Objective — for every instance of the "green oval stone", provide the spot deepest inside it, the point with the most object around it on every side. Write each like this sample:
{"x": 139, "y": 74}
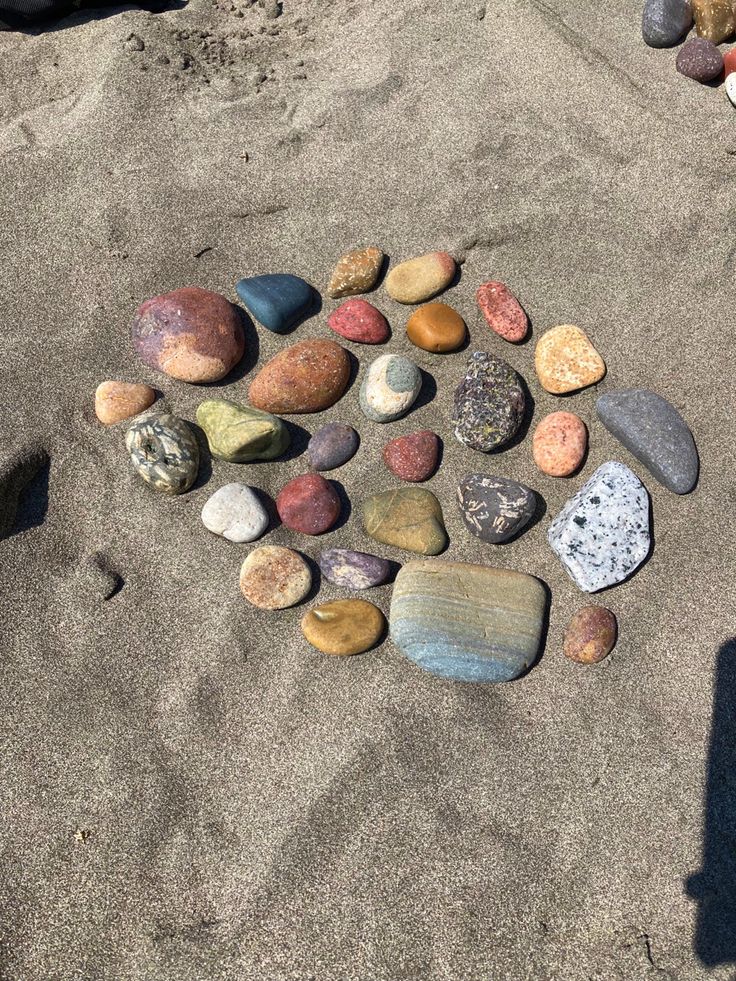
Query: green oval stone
{"x": 239, "y": 433}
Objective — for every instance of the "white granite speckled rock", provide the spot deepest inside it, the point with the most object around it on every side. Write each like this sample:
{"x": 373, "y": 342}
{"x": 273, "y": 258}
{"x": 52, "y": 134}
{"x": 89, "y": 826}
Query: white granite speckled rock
{"x": 235, "y": 512}
{"x": 602, "y": 534}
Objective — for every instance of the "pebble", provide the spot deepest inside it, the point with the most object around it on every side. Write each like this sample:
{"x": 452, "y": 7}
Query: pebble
{"x": 408, "y": 517}
{"x": 17, "y": 470}
{"x": 307, "y": 377}
{"x": 164, "y": 452}
{"x": 332, "y": 446}
{"x": 191, "y": 334}
{"x": 700, "y": 60}
{"x": 277, "y": 301}
{"x": 240, "y": 434}
{"x": 236, "y": 513}
{"x": 591, "y": 635}
{"x": 356, "y": 272}
{"x": 390, "y": 387}
{"x": 417, "y": 280}
{"x": 116, "y": 400}
{"x": 343, "y": 627}
{"x": 602, "y": 534}
{"x": 665, "y": 22}
{"x": 495, "y": 508}
{"x": 274, "y": 577}
{"x": 467, "y": 622}
{"x": 489, "y": 403}
{"x": 353, "y": 570}
{"x": 566, "y": 360}
{"x": 653, "y": 430}
{"x": 729, "y": 62}
{"x": 359, "y": 321}
{"x": 436, "y": 327}
{"x": 308, "y": 504}
{"x": 559, "y": 444}
{"x": 731, "y": 88}
{"x": 715, "y": 20}
{"x": 502, "y": 311}
{"x": 413, "y": 457}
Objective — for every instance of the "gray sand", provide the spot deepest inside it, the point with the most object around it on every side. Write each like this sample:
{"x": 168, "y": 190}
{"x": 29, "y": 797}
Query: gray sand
{"x": 189, "y": 792}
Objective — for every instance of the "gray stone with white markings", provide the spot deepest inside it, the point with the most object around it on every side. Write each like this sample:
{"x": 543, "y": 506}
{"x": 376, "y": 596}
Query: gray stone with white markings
{"x": 495, "y": 508}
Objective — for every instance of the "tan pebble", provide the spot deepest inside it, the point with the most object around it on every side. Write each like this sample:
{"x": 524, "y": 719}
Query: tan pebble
{"x": 591, "y": 635}
{"x": 436, "y": 327}
{"x": 417, "y": 280}
{"x": 116, "y": 400}
{"x": 356, "y": 272}
{"x": 274, "y": 577}
{"x": 566, "y": 360}
{"x": 559, "y": 444}
{"x": 344, "y": 626}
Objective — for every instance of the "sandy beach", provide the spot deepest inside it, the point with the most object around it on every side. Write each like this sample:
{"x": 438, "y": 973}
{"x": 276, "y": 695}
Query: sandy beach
{"x": 190, "y": 792}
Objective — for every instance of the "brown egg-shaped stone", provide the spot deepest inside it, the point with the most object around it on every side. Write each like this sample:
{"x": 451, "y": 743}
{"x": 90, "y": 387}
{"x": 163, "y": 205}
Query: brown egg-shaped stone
{"x": 559, "y": 444}
{"x": 436, "y": 327}
{"x": 115, "y": 401}
{"x": 306, "y": 377}
{"x": 191, "y": 334}
{"x": 591, "y": 635}
{"x": 343, "y": 627}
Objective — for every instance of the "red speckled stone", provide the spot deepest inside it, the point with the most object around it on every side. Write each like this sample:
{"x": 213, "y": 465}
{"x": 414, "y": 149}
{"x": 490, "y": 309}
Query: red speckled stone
{"x": 413, "y": 457}
{"x": 503, "y": 312}
{"x": 306, "y": 377}
{"x": 729, "y": 62}
{"x": 308, "y": 504}
{"x": 359, "y": 321}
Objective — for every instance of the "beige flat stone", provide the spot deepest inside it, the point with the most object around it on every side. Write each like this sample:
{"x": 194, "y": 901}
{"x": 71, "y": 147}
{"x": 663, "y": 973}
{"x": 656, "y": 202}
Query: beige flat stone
{"x": 566, "y": 360}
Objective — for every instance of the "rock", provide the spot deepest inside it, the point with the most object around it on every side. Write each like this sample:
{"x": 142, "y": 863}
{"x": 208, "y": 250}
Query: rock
{"x": 417, "y": 280}
{"x": 240, "y": 434}
{"x": 559, "y": 444}
{"x": 359, "y": 321}
{"x": 700, "y": 60}
{"x": 591, "y": 635}
{"x": 413, "y": 457}
{"x": 235, "y": 512}
{"x": 115, "y": 401}
{"x": 489, "y": 403}
{"x": 274, "y": 578}
{"x": 332, "y": 446}
{"x": 566, "y": 360}
{"x": 341, "y": 627}
{"x": 353, "y": 570}
{"x": 164, "y": 452}
{"x": 502, "y": 311}
{"x": 653, "y": 430}
{"x": 715, "y": 20}
{"x": 390, "y": 387}
{"x": 308, "y": 504}
{"x": 495, "y": 508}
{"x": 17, "y": 470}
{"x": 436, "y": 327}
{"x": 731, "y": 88}
{"x": 601, "y": 536}
{"x": 277, "y": 301}
{"x": 306, "y": 377}
{"x": 666, "y": 22}
{"x": 191, "y": 334}
{"x": 409, "y": 518}
{"x": 467, "y": 622}
{"x": 729, "y": 62}
{"x": 356, "y": 272}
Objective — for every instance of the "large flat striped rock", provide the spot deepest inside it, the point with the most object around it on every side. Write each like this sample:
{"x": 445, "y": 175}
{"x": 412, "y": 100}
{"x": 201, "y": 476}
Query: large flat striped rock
{"x": 467, "y": 622}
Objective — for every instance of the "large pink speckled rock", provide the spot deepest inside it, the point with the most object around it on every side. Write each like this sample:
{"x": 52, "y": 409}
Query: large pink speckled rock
{"x": 559, "y": 444}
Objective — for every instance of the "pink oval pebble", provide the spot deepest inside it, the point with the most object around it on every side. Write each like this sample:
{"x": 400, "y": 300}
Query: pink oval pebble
{"x": 308, "y": 504}
{"x": 559, "y": 444}
{"x": 359, "y": 321}
{"x": 503, "y": 312}
{"x": 413, "y": 457}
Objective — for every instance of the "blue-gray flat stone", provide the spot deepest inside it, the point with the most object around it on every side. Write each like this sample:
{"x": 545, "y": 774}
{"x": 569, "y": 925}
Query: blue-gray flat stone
{"x": 665, "y": 22}
{"x": 653, "y": 430}
{"x": 467, "y": 622}
{"x": 278, "y": 300}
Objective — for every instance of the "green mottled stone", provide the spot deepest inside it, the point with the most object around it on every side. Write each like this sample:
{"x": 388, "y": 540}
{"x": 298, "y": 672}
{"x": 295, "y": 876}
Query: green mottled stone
{"x": 401, "y": 375}
{"x": 409, "y": 518}
{"x": 240, "y": 434}
{"x": 164, "y": 452}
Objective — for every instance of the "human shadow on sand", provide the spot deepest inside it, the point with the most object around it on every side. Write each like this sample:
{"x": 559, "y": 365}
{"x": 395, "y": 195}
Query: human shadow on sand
{"x": 47, "y": 16}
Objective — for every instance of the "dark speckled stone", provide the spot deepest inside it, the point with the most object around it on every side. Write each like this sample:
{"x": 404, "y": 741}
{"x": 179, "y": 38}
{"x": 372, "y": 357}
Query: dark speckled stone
{"x": 700, "y": 60}
{"x": 332, "y": 445}
{"x": 353, "y": 570}
{"x": 278, "y": 301}
{"x": 495, "y": 508}
{"x": 665, "y": 22}
{"x": 489, "y": 403}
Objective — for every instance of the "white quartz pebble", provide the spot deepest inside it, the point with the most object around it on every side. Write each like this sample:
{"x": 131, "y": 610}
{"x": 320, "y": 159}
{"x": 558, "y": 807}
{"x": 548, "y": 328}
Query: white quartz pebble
{"x": 235, "y": 512}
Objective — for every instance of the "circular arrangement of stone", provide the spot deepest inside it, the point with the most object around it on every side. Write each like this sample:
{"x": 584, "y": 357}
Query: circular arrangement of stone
{"x": 461, "y": 621}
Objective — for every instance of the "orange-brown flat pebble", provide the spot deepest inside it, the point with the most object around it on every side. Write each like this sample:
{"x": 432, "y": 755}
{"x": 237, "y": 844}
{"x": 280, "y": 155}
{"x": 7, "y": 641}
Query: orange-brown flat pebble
{"x": 344, "y": 627}
{"x": 715, "y": 20}
{"x": 356, "y": 272}
{"x": 116, "y": 400}
{"x": 306, "y": 377}
{"x": 559, "y": 444}
{"x": 436, "y": 327}
{"x": 591, "y": 635}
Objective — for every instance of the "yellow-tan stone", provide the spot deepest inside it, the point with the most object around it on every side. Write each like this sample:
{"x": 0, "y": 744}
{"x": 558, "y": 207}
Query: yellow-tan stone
{"x": 566, "y": 360}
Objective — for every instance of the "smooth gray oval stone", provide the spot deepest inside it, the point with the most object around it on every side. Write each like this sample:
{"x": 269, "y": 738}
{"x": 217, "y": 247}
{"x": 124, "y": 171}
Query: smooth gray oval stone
{"x": 665, "y": 22}
{"x": 489, "y": 403}
{"x": 653, "y": 430}
{"x": 332, "y": 445}
{"x": 353, "y": 570}
{"x": 164, "y": 452}
{"x": 495, "y": 508}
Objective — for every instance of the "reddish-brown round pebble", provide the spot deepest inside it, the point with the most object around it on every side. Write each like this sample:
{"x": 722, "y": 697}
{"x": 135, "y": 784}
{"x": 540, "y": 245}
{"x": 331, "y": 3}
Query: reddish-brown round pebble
{"x": 359, "y": 321}
{"x": 436, "y": 327}
{"x": 306, "y": 377}
{"x": 308, "y": 504}
{"x": 591, "y": 635}
{"x": 413, "y": 457}
{"x": 559, "y": 444}
{"x": 503, "y": 312}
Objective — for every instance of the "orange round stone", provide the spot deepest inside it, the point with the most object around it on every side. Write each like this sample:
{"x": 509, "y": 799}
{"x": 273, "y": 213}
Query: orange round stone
{"x": 436, "y": 327}
{"x": 559, "y": 444}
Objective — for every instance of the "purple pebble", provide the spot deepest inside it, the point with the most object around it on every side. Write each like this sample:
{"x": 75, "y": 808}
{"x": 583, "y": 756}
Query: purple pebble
{"x": 353, "y": 570}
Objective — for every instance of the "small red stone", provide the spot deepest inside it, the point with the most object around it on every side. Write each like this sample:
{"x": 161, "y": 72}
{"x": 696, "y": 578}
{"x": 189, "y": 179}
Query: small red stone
{"x": 413, "y": 457}
{"x": 729, "y": 62}
{"x": 308, "y": 504}
{"x": 502, "y": 311}
{"x": 360, "y": 321}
